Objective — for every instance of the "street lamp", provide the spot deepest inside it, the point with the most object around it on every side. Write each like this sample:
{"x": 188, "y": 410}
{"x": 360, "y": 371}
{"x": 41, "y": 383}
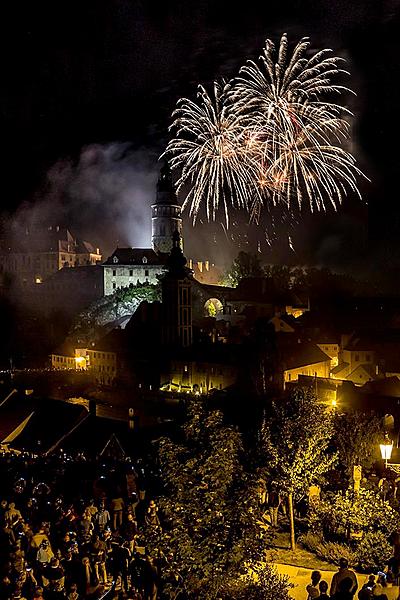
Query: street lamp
{"x": 386, "y": 449}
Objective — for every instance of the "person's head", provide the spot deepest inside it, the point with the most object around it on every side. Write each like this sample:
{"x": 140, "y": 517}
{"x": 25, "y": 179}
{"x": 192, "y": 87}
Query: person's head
{"x": 371, "y": 579}
{"x": 382, "y": 579}
{"x": 316, "y": 577}
{"x": 54, "y": 562}
{"x": 343, "y": 563}
{"x": 323, "y": 586}
{"x": 130, "y": 517}
{"x": 345, "y": 585}
{"x": 11, "y": 506}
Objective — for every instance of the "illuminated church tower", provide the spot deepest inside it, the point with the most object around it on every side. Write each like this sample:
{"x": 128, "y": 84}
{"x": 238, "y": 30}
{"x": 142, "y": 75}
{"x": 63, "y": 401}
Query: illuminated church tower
{"x": 165, "y": 214}
{"x": 176, "y": 288}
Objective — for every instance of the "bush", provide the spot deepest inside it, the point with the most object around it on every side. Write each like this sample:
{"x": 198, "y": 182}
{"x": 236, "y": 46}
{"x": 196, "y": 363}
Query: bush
{"x": 340, "y": 513}
{"x": 373, "y": 551}
{"x": 330, "y": 551}
{"x": 261, "y": 583}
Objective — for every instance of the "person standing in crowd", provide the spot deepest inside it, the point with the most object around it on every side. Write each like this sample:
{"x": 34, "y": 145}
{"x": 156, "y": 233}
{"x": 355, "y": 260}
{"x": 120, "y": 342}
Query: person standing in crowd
{"x": 392, "y": 590}
{"x": 102, "y": 518}
{"x": 117, "y": 506}
{"x": 150, "y": 579}
{"x": 151, "y": 519}
{"x": 343, "y": 590}
{"x": 274, "y": 501}
{"x": 344, "y": 573}
{"x": 323, "y": 590}
{"x": 312, "y": 588}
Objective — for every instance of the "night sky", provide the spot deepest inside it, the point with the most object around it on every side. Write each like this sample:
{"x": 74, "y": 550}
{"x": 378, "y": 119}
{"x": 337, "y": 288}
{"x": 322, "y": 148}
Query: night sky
{"x": 87, "y": 90}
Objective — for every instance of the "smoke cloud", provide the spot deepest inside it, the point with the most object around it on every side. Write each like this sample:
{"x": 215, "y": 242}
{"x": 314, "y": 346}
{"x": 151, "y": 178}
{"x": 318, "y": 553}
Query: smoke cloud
{"x": 103, "y": 197}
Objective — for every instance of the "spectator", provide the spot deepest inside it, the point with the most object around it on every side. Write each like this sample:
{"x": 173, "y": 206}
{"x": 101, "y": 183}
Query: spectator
{"x": 151, "y": 518}
{"x": 102, "y": 519}
{"x": 274, "y": 501}
{"x": 323, "y": 590}
{"x": 44, "y": 554}
{"x": 344, "y": 573}
{"x": 312, "y": 588}
{"x": 150, "y": 579}
{"x": 344, "y": 590}
{"x": 392, "y": 591}
{"x": 117, "y": 506}
{"x": 366, "y": 591}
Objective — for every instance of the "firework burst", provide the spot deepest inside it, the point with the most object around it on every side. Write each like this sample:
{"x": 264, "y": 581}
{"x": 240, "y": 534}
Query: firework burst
{"x": 267, "y": 138}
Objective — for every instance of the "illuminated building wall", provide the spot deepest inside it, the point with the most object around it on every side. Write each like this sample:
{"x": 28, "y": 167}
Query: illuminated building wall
{"x": 129, "y": 266}
{"x": 320, "y": 369}
{"x": 196, "y": 376}
{"x": 102, "y": 364}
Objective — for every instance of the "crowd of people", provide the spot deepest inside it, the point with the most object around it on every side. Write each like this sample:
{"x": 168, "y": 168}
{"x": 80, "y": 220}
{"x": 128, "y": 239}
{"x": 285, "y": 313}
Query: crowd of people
{"x": 345, "y": 586}
{"x": 74, "y": 529}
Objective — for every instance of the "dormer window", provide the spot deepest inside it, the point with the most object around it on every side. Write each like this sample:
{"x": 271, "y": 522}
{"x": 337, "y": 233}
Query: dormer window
{"x": 115, "y": 260}
{"x": 144, "y": 260}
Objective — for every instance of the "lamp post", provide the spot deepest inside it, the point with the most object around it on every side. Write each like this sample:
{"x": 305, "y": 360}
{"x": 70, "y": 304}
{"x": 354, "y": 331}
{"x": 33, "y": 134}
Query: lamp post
{"x": 386, "y": 449}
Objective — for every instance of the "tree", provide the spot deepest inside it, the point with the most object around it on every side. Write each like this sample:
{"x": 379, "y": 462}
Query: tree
{"x": 294, "y": 445}
{"x": 244, "y": 265}
{"x": 356, "y": 438}
{"x": 211, "y": 511}
{"x": 123, "y": 302}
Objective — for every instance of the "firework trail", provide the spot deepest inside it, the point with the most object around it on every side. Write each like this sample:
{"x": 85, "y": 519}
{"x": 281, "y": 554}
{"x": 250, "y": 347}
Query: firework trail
{"x": 267, "y": 139}
{"x": 210, "y": 153}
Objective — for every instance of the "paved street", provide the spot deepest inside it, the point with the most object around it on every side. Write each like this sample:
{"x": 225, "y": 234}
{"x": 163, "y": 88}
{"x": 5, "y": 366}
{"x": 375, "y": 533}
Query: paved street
{"x": 300, "y": 577}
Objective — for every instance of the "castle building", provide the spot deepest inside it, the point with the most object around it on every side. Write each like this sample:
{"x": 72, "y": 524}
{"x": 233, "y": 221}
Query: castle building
{"x": 36, "y": 255}
{"x": 128, "y": 266}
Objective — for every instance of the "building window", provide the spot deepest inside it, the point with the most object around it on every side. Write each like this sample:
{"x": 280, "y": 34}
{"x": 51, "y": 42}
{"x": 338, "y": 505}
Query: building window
{"x": 144, "y": 260}
{"x": 357, "y": 357}
{"x": 114, "y": 273}
{"x": 114, "y": 286}
{"x": 115, "y": 260}
{"x": 146, "y": 273}
{"x": 130, "y": 272}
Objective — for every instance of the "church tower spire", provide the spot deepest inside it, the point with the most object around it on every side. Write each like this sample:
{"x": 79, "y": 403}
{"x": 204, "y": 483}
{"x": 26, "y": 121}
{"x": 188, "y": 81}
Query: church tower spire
{"x": 165, "y": 214}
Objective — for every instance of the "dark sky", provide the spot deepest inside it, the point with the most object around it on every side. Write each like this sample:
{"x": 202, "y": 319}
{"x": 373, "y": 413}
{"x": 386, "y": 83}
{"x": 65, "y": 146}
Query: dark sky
{"x": 89, "y": 82}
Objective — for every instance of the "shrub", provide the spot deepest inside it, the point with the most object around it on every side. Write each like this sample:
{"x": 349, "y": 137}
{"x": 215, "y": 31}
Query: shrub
{"x": 373, "y": 551}
{"x": 330, "y": 551}
{"x": 261, "y": 583}
{"x": 340, "y": 513}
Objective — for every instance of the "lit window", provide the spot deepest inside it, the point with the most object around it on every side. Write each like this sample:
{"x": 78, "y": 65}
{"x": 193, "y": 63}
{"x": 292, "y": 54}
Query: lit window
{"x": 144, "y": 260}
{"x": 115, "y": 259}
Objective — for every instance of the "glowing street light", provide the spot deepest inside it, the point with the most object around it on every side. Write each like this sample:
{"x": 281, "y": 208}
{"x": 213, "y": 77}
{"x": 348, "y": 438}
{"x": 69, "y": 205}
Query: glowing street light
{"x": 386, "y": 449}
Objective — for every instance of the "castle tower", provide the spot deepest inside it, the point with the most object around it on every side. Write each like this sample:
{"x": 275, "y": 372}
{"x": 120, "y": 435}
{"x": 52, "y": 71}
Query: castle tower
{"x": 177, "y": 298}
{"x": 165, "y": 214}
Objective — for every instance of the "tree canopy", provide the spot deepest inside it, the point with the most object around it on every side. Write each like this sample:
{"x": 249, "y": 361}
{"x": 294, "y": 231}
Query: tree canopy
{"x": 212, "y": 534}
